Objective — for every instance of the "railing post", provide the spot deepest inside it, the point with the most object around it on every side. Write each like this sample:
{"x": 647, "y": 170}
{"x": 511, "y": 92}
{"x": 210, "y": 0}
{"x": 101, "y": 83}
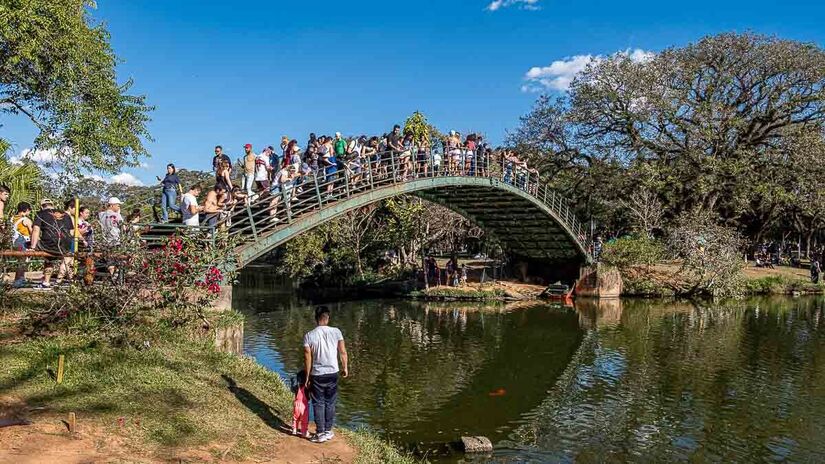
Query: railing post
{"x": 527, "y": 182}
{"x": 346, "y": 180}
{"x": 545, "y": 195}
{"x": 251, "y": 221}
{"x": 287, "y": 205}
{"x": 370, "y": 168}
{"x": 317, "y": 190}
{"x": 392, "y": 162}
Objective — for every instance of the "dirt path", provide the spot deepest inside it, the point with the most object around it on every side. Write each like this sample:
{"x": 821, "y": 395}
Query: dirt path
{"x": 48, "y": 441}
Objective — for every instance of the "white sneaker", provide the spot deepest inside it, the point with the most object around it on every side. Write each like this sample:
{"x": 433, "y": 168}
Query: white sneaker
{"x": 322, "y": 437}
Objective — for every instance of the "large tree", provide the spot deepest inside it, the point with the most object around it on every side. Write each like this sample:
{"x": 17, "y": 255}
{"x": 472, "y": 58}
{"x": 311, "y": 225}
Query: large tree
{"x": 715, "y": 121}
{"x": 57, "y": 69}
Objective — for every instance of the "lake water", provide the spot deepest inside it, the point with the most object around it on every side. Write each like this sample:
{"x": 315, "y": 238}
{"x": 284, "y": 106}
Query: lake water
{"x": 630, "y": 381}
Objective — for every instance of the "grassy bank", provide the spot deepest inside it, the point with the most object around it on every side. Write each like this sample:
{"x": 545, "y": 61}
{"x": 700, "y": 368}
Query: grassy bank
{"x": 658, "y": 281}
{"x": 174, "y": 398}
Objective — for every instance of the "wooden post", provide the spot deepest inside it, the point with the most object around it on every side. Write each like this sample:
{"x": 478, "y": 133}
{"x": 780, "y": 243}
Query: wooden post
{"x": 60, "y": 360}
{"x": 72, "y": 422}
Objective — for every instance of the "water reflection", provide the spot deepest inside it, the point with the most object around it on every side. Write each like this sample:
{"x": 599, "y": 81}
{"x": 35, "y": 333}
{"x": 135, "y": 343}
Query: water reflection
{"x": 740, "y": 382}
{"x": 638, "y": 381}
{"x": 428, "y": 373}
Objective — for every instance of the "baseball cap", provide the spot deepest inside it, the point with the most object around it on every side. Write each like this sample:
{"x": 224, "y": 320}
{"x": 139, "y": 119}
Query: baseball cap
{"x": 248, "y": 145}
{"x": 46, "y": 201}
{"x": 115, "y": 201}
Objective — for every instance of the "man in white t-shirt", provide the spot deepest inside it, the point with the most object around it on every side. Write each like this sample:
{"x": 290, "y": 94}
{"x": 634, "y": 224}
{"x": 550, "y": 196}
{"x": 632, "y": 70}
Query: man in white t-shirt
{"x": 189, "y": 207}
{"x": 322, "y": 346}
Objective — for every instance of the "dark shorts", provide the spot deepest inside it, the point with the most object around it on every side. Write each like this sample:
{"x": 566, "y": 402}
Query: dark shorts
{"x": 262, "y": 184}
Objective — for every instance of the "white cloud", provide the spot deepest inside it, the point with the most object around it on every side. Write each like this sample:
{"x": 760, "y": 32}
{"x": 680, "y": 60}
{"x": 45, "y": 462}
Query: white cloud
{"x": 496, "y": 5}
{"x": 37, "y": 156}
{"x": 560, "y": 74}
{"x": 126, "y": 179}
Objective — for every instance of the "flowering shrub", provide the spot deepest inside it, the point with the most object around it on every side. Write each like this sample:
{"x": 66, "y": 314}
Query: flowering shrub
{"x": 173, "y": 283}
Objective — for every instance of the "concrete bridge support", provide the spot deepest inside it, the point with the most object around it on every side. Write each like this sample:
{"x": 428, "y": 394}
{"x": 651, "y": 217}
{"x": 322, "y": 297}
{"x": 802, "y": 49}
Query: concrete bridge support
{"x": 599, "y": 281}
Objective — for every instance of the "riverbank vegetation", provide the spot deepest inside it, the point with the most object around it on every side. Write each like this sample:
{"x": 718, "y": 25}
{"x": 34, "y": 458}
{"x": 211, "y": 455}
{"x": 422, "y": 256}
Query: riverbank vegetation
{"x": 173, "y": 397}
{"x": 652, "y": 268}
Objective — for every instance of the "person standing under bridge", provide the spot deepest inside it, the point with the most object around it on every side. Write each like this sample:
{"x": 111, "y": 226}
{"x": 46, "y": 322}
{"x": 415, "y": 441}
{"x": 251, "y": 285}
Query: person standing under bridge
{"x": 322, "y": 346}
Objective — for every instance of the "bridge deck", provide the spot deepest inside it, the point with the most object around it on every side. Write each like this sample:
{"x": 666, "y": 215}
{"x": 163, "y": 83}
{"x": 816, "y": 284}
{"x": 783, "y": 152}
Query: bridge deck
{"x": 510, "y": 204}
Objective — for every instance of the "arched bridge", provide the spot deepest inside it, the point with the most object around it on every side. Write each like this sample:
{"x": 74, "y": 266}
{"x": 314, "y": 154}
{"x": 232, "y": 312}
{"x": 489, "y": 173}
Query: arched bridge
{"x": 512, "y": 205}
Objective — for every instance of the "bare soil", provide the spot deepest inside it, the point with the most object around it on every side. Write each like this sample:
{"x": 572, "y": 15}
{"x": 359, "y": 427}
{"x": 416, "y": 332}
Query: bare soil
{"x": 47, "y": 440}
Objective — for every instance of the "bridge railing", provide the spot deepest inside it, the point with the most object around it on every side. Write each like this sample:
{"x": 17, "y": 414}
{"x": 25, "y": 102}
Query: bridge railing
{"x": 286, "y": 203}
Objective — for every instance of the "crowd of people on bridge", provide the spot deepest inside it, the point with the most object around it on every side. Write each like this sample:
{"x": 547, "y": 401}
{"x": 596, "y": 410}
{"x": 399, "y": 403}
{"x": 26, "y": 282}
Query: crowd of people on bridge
{"x": 267, "y": 179}
{"x": 274, "y": 176}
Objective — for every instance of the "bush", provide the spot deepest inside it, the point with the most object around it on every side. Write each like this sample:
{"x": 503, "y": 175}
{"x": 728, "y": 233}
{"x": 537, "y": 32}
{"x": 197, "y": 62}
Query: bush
{"x": 630, "y": 251}
{"x": 768, "y": 285}
{"x": 172, "y": 285}
{"x": 709, "y": 252}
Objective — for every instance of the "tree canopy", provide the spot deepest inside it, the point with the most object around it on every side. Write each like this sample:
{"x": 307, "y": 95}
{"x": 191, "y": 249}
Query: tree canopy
{"x": 58, "y": 69}
{"x": 731, "y": 124}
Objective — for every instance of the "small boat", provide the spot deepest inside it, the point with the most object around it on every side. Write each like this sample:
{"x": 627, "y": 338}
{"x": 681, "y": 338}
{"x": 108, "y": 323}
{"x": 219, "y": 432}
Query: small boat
{"x": 558, "y": 292}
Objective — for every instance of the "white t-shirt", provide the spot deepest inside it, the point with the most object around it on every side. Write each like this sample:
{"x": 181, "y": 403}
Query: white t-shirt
{"x": 323, "y": 342}
{"x": 110, "y": 222}
{"x": 262, "y": 167}
{"x": 189, "y": 218}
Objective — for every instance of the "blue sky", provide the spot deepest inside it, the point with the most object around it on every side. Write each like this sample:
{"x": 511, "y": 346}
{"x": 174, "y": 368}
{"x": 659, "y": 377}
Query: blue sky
{"x": 235, "y": 72}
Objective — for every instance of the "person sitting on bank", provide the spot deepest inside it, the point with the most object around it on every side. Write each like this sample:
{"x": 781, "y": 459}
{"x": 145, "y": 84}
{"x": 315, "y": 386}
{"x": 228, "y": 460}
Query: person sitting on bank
{"x": 322, "y": 346}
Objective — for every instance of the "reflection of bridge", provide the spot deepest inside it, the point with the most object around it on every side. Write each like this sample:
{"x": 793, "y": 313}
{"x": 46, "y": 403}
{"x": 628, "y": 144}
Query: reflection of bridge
{"x": 532, "y": 222}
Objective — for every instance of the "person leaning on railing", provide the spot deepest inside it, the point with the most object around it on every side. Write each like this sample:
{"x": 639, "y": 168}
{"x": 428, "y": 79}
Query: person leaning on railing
{"x": 51, "y": 233}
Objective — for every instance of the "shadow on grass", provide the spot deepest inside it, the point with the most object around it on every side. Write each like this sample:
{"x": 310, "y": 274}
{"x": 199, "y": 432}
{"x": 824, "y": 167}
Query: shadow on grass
{"x": 254, "y": 404}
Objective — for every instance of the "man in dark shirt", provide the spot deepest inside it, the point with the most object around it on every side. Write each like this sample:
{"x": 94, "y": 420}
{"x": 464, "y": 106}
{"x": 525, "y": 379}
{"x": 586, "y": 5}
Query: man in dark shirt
{"x": 219, "y": 156}
{"x": 394, "y": 140}
{"x": 52, "y": 233}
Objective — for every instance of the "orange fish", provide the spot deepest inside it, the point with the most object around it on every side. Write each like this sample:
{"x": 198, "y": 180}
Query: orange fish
{"x": 498, "y": 392}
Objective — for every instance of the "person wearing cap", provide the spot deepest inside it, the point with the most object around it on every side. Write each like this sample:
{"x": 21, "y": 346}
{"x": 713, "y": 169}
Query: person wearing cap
{"x": 248, "y": 169}
{"x": 111, "y": 223}
{"x": 262, "y": 169}
{"x": 340, "y": 146}
{"x": 51, "y": 233}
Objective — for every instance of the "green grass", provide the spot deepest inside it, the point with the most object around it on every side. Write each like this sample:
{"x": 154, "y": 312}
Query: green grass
{"x": 781, "y": 285}
{"x": 174, "y": 395}
{"x": 460, "y": 293}
{"x": 374, "y": 450}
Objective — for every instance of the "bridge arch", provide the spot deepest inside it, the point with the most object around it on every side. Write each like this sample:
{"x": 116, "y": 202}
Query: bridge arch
{"x": 532, "y": 222}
